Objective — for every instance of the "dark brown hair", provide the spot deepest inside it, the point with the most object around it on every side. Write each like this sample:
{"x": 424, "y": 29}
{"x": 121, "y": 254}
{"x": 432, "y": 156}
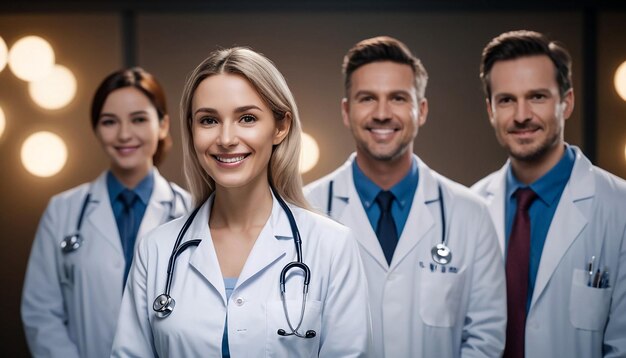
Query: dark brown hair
{"x": 148, "y": 85}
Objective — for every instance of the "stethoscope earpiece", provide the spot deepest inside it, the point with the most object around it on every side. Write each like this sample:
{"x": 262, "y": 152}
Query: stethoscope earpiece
{"x": 163, "y": 305}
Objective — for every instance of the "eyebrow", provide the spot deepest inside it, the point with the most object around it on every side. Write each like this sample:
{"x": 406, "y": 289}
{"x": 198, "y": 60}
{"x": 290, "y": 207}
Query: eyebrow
{"x": 105, "y": 114}
{"x": 237, "y": 110}
{"x": 393, "y": 92}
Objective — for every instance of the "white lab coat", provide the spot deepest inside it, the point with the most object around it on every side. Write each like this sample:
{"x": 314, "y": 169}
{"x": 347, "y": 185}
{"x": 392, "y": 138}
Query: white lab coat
{"x": 70, "y": 301}
{"x": 336, "y": 307}
{"x": 417, "y": 312}
{"x": 567, "y": 318}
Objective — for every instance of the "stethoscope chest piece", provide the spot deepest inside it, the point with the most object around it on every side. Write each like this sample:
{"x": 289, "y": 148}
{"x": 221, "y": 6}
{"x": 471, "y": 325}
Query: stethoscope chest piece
{"x": 163, "y": 305}
{"x": 71, "y": 243}
{"x": 441, "y": 254}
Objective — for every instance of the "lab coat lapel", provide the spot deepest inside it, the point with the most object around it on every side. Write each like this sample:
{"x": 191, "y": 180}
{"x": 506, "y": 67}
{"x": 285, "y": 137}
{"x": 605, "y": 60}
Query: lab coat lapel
{"x": 495, "y": 202}
{"x": 158, "y": 206}
{"x": 100, "y": 216}
{"x": 272, "y": 244}
{"x": 420, "y": 221}
{"x": 204, "y": 258}
{"x": 567, "y": 223}
{"x": 351, "y": 213}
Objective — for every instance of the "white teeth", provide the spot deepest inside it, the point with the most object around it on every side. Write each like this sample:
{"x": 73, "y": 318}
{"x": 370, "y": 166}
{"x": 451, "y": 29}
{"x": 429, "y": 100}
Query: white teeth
{"x": 382, "y": 131}
{"x": 230, "y": 160}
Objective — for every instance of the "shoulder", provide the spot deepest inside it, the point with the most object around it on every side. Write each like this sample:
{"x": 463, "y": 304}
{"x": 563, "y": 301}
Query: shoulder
{"x": 321, "y": 185}
{"x": 480, "y": 187}
{"x": 70, "y": 197}
{"x": 461, "y": 198}
{"x": 319, "y": 228}
{"x": 609, "y": 187}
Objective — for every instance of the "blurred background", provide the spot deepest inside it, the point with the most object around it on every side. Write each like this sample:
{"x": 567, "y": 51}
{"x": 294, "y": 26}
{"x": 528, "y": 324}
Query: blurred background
{"x": 47, "y": 145}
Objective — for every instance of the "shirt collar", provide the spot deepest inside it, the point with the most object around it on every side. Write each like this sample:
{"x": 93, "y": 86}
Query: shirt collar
{"x": 368, "y": 190}
{"x": 143, "y": 189}
{"x": 550, "y": 185}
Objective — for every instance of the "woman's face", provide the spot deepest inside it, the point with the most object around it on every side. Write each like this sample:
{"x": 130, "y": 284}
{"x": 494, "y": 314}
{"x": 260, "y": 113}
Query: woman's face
{"x": 233, "y": 131}
{"x": 129, "y": 130}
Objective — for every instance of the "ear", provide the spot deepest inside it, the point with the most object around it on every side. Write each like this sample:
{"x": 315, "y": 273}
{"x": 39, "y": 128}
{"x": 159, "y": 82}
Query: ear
{"x": 568, "y": 103}
{"x": 282, "y": 128}
{"x": 164, "y": 127}
{"x": 345, "y": 110}
{"x": 489, "y": 111}
{"x": 423, "y": 112}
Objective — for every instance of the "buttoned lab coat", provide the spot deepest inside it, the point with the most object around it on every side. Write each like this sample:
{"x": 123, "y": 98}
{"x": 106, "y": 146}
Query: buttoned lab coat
{"x": 417, "y": 309}
{"x": 70, "y": 301}
{"x": 336, "y": 306}
{"x": 566, "y": 317}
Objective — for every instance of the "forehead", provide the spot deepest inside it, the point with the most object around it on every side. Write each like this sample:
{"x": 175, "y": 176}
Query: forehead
{"x": 127, "y": 98}
{"x": 523, "y": 74}
{"x": 383, "y": 76}
{"x": 225, "y": 90}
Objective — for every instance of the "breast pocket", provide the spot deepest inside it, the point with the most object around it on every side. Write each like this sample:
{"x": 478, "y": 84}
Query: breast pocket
{"x": 293, "y": 346}
{"x": 441, "y": 298}
{"x": 589, "y": 306}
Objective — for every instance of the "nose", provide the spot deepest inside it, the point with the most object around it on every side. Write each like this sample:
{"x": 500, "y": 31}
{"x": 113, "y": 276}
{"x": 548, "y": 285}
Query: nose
{"x": 523, "y": 112}
{"x": 227, "y": 136}
{"x": 383, "y": 111}
{"x": 125, "y": 131}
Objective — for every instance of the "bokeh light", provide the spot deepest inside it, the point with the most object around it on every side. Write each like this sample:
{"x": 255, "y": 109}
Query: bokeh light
{"x": 55, "y": 90}
{"x": 44, "y": 154}
{"x": 31, "y": 58}
{"x": 310, "y": 153}
{"x": 2, "y": 122}
{"x": 620, "y": 80}
{"x": 4, "y": 54}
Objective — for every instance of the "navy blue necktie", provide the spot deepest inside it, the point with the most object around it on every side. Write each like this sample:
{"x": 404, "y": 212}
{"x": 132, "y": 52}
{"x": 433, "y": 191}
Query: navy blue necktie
{"x": 127, "y": 227}
{"x": 386, "y": 229}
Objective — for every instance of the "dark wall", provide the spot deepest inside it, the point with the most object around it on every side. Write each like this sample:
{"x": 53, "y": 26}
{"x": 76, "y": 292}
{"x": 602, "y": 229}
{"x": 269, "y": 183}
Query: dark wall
{"x": 308, "y": 48}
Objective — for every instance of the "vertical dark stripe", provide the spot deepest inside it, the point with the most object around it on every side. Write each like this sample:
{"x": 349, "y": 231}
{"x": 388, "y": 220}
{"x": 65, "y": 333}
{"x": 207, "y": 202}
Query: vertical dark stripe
{"x": 590, "y": 82}
{"x": 129, "y": 37}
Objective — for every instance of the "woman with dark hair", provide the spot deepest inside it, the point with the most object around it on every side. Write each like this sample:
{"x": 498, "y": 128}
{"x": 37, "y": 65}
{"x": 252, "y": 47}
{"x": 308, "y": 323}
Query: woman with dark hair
{"x": 85, "y": 242}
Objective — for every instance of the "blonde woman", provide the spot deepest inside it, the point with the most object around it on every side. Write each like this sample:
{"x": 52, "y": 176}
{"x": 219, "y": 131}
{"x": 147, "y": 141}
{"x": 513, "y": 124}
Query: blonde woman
{"x": 251, "y": 272}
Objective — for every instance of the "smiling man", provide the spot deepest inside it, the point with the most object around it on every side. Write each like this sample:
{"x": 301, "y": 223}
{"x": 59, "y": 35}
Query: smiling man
{"x": 435, "y": 274}
{"x": 561, "y": 221}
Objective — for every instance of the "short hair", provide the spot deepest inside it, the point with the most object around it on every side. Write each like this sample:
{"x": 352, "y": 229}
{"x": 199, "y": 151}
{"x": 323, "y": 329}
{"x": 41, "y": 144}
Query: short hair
{"x": 522, "y": 43}
{"x": 383, "y": 48}
{"x": 147, "y": 84}
{"x": 269, "y": 83}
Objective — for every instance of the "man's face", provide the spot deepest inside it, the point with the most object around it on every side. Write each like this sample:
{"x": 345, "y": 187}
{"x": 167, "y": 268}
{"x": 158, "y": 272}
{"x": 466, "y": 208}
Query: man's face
{"x": 382, "y": 110}
{"x": 525, "y": 108}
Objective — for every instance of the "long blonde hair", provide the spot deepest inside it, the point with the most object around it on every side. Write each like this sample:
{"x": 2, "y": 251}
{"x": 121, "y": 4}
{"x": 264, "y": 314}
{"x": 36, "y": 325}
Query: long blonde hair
{"x": 283, "y": 173}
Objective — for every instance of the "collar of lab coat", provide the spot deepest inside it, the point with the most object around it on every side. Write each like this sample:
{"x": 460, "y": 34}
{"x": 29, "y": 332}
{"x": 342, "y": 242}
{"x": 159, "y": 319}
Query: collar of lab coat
{"x": 567, "y": 223}
{"x": 100, "y": 214}
{"x": 419, "y": 222}
{"x": 274, "y": 242}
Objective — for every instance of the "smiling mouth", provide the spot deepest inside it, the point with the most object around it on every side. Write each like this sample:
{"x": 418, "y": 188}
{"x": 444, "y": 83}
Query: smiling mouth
{"x": 382, "y": 131}
{"x": 126, "y": 150}
{"x": 230, "y": 159}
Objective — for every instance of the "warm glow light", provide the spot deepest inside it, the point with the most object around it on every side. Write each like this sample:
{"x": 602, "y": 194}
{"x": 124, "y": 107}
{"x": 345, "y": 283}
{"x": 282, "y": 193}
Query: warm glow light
{"x": 31, "y": 58}
{"x": 55, "y": 90}
{"x": 44, "y": 154}
{"x": 4, "y": 54}
{"x": 620, "y": 80}
{"x": 2, "y": 122}
{"x": 310, "y": 153}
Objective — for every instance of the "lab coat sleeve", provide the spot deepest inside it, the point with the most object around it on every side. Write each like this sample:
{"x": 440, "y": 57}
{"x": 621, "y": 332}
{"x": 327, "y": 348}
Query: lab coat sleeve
{"x": 133, "y": 336}
{"x": 484, "y": 331}
{"x": 614, "y": 336}
{"x": 43, "y": 307}
{"x": 346, "y": 326}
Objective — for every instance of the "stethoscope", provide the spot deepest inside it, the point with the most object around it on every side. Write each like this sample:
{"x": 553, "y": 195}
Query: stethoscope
{"x": 440, "y": 253}
{"x": 164, "y": 303}
{"x": 73, "y": 242}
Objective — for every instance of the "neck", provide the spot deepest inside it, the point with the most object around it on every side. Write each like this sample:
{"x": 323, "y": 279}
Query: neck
{"x": 385, "y": 173}
{"x": 130, "y": 178}
{"x": 241, "y": 208}
{"x": 528, "y": 171}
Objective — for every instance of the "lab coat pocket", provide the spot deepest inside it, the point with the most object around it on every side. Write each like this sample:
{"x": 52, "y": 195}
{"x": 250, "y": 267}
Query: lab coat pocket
{"x": 292, "y": 346}
{"x": 440, "y": 298}
{"x": 589, "y": 306}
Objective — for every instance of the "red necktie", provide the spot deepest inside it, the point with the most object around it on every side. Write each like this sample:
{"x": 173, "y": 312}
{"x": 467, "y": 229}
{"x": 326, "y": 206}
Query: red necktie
{"x": 517, "y": 263}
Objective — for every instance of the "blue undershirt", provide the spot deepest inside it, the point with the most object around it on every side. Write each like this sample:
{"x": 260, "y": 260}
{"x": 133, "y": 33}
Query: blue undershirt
{"x": 403, "y": 192}
{"x": 549, "y": 189}
{"x": 229, "y": 285}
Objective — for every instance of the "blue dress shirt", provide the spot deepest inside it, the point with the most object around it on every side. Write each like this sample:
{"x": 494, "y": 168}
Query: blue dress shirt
{"x": 143, "y": 191}
{"x": 404, "y": 192}
{"x": 548, "y": 189}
